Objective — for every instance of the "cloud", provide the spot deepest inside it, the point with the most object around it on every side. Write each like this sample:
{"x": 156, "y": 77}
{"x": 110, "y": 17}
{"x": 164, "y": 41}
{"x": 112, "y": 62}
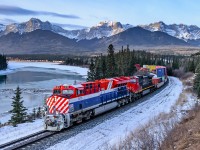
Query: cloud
{"x": 12, "y": 10}
{"x": 7, "y": 21}
{"x": 70, "y": 26}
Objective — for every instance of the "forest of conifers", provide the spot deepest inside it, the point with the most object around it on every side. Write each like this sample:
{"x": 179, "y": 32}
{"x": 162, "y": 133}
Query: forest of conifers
{"x": 3, "y": 62}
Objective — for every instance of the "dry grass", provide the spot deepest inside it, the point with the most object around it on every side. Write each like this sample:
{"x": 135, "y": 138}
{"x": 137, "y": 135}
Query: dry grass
{"x": 187, "y": 76}
{"x": 181, "y": 100}
{"x": 186, "y": 135}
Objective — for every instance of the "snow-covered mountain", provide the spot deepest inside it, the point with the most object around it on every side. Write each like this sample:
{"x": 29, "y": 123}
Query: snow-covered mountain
{"x": 31, "y": 25}
{"x": 103, "y": 29}
{"x": 2, "y": 27}
{"x": 180, "y": 31}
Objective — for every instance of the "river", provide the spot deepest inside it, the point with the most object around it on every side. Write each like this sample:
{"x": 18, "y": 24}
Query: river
{"x": 36, "y": 79}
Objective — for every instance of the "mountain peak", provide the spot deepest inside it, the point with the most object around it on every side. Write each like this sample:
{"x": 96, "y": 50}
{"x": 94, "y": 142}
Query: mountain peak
{"x": 2, "y": 27}
{"x": 33, "y": 19}
{"x": 102, "y": 29}
{"x": 109, "y": 24}
{"x": 180, "y": 31}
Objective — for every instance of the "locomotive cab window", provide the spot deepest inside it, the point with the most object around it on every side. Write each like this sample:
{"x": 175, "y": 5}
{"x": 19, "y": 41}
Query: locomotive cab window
{"x": 78, "y": 92}
{"x": 68, "y": 92}
{"x": 81, "y": 91}
{"x": 56, "y": 91}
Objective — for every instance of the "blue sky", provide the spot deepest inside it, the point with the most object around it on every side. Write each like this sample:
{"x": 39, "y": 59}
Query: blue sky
{"x": 86, "y": 13}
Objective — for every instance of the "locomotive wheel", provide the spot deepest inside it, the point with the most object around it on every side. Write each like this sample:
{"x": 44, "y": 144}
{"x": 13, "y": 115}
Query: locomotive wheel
{"x": 88, "y": 116}
{"x": 79, "y": 121}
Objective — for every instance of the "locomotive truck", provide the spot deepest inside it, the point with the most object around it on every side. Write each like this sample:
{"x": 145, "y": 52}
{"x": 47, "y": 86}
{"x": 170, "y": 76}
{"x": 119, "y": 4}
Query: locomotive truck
{"x": 71, "y": 104}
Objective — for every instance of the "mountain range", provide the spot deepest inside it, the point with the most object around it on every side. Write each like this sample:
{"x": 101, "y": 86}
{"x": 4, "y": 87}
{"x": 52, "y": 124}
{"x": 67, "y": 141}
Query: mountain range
{"x": 35, "y": 36}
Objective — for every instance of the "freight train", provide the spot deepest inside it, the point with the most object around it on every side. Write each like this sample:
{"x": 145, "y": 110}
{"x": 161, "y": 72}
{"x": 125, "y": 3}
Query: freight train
{"x": 70, "y": 104}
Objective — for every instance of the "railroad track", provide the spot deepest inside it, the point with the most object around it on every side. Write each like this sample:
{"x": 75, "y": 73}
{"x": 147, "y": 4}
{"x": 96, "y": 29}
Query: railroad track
{"x": 32, "y": 139}
{"x": 15, "y": 144}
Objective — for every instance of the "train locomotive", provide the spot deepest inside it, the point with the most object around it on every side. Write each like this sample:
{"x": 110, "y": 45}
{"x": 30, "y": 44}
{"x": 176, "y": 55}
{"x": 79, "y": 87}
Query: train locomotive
{"x": 71, "y": 104}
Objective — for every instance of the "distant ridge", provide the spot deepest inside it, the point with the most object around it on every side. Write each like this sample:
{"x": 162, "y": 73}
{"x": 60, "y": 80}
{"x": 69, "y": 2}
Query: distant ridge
{"x": 48, "y": 42}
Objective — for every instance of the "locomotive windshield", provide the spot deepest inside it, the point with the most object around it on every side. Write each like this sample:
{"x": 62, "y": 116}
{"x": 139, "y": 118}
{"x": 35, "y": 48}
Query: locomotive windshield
{"x": 56, "y": 91}
{"x": 68, "y": 92}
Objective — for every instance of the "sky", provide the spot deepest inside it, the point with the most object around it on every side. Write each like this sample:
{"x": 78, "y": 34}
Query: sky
{"x": 74, "y": 14}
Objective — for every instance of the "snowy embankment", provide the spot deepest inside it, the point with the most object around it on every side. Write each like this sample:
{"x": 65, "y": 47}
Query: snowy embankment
{"x": 111, "y": 131}
{"x": 13, "y": 66}
{"x": 9, "y": 133}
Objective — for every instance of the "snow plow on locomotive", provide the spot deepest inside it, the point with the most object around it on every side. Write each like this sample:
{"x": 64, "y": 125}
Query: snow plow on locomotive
{"x": 71, "y": 104}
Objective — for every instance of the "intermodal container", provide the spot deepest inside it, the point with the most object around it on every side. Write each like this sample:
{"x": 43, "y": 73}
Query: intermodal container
{"x": 150, "y": 67}
{"x": 160, "y": 72}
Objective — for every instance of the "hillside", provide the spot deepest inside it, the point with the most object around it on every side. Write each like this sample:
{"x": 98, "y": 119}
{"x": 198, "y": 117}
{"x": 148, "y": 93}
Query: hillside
{"x": 48, "y": 42}
{"x": 37, "y": 42}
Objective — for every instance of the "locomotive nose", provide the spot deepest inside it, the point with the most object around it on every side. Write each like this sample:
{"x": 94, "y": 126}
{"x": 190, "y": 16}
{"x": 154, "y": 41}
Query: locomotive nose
{"x": 58, "y": 104}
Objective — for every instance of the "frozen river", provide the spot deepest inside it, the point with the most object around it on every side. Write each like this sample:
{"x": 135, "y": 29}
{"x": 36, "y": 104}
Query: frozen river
{"x": 36, "y": 79}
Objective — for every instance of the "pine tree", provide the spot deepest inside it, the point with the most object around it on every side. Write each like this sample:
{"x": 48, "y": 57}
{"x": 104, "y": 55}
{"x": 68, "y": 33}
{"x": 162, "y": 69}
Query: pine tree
{"x": 111, "y": 66}
{"x": 18, "y": 111}
{"x": 132, "y": 68}
{"x": 97, "y": 70}
{"x": 34, "y": 113}
{"x": 3, "y": 62}
{"x": 198, "y": 91}
{"x": 39, "y": 112}
{"x": 192, "y": 66}
{"x": 91, "y": 72}
{"x": 103, "y": 67}
{"x": 175, "y": 63}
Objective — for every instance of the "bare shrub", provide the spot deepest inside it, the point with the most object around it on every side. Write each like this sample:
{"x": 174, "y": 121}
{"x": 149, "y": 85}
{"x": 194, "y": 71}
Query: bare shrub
{"x": 186, "y": 134}
{"x": 178, "y": 73}
{"x": 187, "y": 75}
{"x": 181, "y": 100}
{"x": 189, "y": 90}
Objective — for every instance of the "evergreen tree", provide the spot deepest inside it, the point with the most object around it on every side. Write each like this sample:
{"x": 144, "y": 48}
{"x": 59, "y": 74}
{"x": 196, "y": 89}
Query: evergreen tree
{"x": 97, "y": 71}
{"x": 111, "y": 66}
{"x": 198, "y": 91}
{"x": 34, "y": 113}
{"x": 175, "y": 63}
{"x": 39, "y": 112}
{"x": 132, "y": 68}
{"x": 103, "y": 67}
{"x": 3, "y": 62}
{"x": 192, "y": 66}
{"x": 197, "y": 79}
{"x": 91, "y": 72}
{"x": 18, "y": 111}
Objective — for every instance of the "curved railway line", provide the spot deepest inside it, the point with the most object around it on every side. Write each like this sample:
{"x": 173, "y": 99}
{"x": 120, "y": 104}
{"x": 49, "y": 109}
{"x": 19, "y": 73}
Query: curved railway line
{"x": 43, "y": 137}
{"x": 18, "y": 143}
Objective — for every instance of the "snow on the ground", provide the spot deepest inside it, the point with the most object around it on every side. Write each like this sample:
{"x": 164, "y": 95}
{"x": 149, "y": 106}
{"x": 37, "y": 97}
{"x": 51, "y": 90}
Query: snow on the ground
{"x": 111, "y": 131}
{"x": 13, "y": 66}
{"x": 5, "y": 117}
{"x": 9, "y": 133}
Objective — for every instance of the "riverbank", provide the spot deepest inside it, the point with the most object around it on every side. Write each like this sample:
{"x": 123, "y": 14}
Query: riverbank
{"x": 36, "y": 79}
{"x": 14, "y": 65}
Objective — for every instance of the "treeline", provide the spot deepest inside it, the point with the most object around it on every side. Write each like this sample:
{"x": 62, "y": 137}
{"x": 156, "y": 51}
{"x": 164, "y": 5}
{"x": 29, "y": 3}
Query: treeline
{"x": 197, "y": 80}
{"x": 38, "y": 57}
{"x": 3, "y": 62}
{"x": 122, "y": 63}
{"x": 66, "y": 59}
{"x": 77, "y": 61}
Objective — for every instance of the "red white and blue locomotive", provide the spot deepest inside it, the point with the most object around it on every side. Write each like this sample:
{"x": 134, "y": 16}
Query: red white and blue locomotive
{"x": 71, "y": 104}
